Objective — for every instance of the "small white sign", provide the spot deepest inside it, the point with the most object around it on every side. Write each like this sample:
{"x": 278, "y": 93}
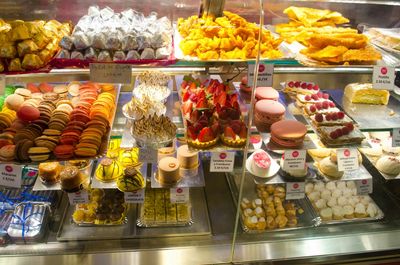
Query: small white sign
{"x": 347, "y": 159}
{"x": 294, "y": 159}
{"x": 265, "y": 74}
{"x": 179, "y": 195}
{"x": 364, "y": 186}
{"x": 148, "y": 155}
{"x": 10, "y": 175}
{"x": 134, "y": 196}
{"x": 78, "y": 197}
{"x": 383, "y": 77}
{"x": 2, "y": 84}
{"x": 222, "y": 161}
{"x": 396, "y": 137}
{"x": 295, "y": 190}
{"x": 111, "y": 73}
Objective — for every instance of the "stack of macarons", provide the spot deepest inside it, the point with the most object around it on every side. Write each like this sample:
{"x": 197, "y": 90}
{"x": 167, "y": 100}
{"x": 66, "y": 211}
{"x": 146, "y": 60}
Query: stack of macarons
{"x": 266, "y": 113}
{"x": 266, "y": 93}
{"x": 288, "y": 133}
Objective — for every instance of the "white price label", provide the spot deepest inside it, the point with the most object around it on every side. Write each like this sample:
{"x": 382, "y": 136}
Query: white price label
{"x": 396, "y": 137}
{"x": 347, "y": 159}
{"x": 78, "y": 197}
{"x": 111, "y": 73}
{"x": 222, "y": 161}
{"x": 2, "y": 84}
{"x": 134, "y": 196}
{"x": 148, "y": 155}
{"x": 294, "y": 159}
{"x": 265, "y": 74}
{"x": 364, "y": 186}
{"x": 179, "y": 195}
{"x": 11, "y": 175}
{"x": 383, "y": 77}
{"x": 295, "y": 190}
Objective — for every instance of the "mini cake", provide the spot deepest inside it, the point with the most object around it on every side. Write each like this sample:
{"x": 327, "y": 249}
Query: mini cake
{"x": 49, "y": 172}
{"x": 128, "y": 158}
{"x": 340, "y": 135}
{"x": 267, "y": 112}
{"x": 234, "y": 133}
{"x": 108, "y": 170}
{"x": 365, "y": 93}
{"x": 166, "y": 152}
{"x": 389, "y": 165}
{"x": 168, "y": 171}
{"x": 131, "y": 180}
{"x": 187, "y": 159}
{"x": 288, "y": 133}
{"x": 294, "y": 174}
{"x": 329, "y": 168}
{"x": 260, "y": 163}
{"x": 71, "y": 179}
{"x": 266, "y": 93}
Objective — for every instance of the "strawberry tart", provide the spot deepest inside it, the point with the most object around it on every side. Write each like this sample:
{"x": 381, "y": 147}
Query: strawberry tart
{"x": 234, "y": 134}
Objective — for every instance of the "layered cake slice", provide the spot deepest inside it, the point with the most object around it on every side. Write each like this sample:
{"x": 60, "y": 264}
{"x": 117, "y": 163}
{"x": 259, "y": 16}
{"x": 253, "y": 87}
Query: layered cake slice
{"x": 301, "y": 87}
{"x": 339, "y": 135}
{"x": 330, "y": 119}
{"x": 365, "y": 93}
{"x": 304, "y": 100}
{"x": 321, "y": 107}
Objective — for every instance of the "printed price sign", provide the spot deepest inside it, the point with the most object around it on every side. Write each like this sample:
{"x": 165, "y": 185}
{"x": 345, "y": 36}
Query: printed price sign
{"x": 294, "y": 159}
{"x": 111, "y": 73}
{"x": 347, "y": 159}
{"x": 222, "y": 161}
{"x": 148, "y": 155}
{"x": 179, "y": 195}
{"x": 265, "y": 74}
{"x": 10, "y": 175}
{"x": 364, "y": 186}
{"x": 383, "y": 77}
{"x": 78, "y": 197}
{"x": 2, "y": 84}
{"x": 396, "y": 137}
{"x": 134, "y": 197}
{"x": 295, "y": 190}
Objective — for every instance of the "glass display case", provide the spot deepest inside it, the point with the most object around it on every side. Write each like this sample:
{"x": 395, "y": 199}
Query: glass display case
{"x": 155, "y": 132}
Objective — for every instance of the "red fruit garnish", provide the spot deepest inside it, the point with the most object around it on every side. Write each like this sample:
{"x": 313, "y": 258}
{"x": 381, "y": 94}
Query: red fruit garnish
{"x": 191, "y": 133}
{"x": 319, "y": 94}
{"x": 229, "y": 133}
{"x": 345, "y": 130}
{"x": 186, "y": 96}
{"x": 340, "y": 114}
{"x": 201, "y": 104}
{"x": 297, "y": 84}
{"x": 333, "y": 135}
{"x": 325, "y": 104}
{"x": 318, "y": 105}
{"x": 314, "y": 97}
{"x": 244, "y": 80}
{"x": 236, "y": 126}
{"x": 291, "y": 84}
{"x": 334, "y": 116}
{"x": 215, "y": 128}
{"x": 328, "y": 117}
{"x": 304, "y": 85}
{"x": 339, "y": 132}
{"x": 187, "y": 107}
{"x": 193, "y": 97}
{"x": 309, "y": 86}
{"x": 206, "y": 135}
{"x": 316, "y": 87}
{"x": 325, "y": 96}
{"x": 350, "y": 126}
{"x": 313, "y": 108}
{"x": 243, "y": 132}
{"x": 319, "y": 117}
{"x": 331, "y": 104}
{"x": 184, "y": 84}
{"x": 307, "y": 97}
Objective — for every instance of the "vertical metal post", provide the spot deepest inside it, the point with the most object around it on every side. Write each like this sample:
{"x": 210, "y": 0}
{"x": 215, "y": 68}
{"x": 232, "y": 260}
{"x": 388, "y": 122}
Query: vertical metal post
{"x": 213, "y": 8}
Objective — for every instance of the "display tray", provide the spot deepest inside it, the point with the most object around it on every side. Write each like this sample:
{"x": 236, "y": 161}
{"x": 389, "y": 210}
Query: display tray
{"x": 380, "y": 215}
{"x": 372, "y": 160}
{"x": 384, "y": 117}
{"x": 190, "y": 177}
{"x": 122, "y": 221}
{"x": 113, "y": 184}
{"x": 103, "y": 146}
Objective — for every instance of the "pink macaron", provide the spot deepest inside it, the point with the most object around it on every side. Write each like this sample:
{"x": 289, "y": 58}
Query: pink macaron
{"x": 267, "y": 93}
{"x": 267, "y": 112}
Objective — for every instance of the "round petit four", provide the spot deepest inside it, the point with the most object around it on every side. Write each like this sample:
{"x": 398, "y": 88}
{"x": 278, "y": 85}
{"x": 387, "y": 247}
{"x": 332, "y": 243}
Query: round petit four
{"x": 187, "y": 158}
{"x": 131, "y": 180}
{"x": 71, "y": 179}
{"x": 266, "y": 93}
{"x": 389, "y": 165}
{"x": 49, "y": 172}
{"x": 267, "y": 112}
{"x": 329, "y": 168}
{"x": 128, "y": 157}
{"x": 168, "y": 171}
{"x": 108, "y": 170}
{"x": 288, "y": 133}
{"x": 261, "y": 163}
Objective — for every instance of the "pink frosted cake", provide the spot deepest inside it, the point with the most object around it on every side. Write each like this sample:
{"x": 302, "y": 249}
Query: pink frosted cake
{"x": 261, "y": 163}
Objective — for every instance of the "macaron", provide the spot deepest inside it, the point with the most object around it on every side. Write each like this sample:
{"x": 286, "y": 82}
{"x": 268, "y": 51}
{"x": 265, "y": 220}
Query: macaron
{"x": 7, "y": 152}
{"x": 25, "y": 93}
{"x": 86, "y": 149}
{"x": 266, "y": 93}
{"x": 21, "y": 150}
{"x": 63, "y": 151}
{"x": 50, "y": 96}
{"x": 46, "y": 141}
{"x": 61, "y": 90}
{"x": 267, "y": 112}
{"x": 45, "y": 87}
{"x": 14, "y": 101}
{"x": 32, "y": 87}
{"x": 28, "y": 113}
{"x": 288, "y": 133}
{"x": 38, "y": 154}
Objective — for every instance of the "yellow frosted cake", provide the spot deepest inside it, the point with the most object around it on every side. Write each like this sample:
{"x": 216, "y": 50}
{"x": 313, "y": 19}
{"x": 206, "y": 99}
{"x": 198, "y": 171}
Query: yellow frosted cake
{"x": 365, "y": 93}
